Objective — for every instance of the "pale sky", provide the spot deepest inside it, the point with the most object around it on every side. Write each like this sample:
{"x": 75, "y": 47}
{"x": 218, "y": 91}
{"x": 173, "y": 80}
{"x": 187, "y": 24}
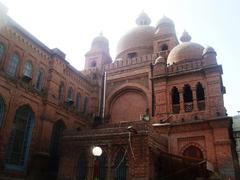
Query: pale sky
{"x": 71, "y": 25}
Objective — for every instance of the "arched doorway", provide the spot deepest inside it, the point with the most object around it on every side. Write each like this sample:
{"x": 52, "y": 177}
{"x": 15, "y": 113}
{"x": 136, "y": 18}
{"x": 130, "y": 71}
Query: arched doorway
{"x": 57, "y": 132}
{"x": 100, "y": 167}
{"x": 193, "y": 152}
{"x": 120, "y": 166}
{"x": 82, "y": 167}
{"x": 20, "y": 138}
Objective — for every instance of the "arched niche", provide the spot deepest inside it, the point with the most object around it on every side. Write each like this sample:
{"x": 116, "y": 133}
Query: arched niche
{"x": 128, "y": 104}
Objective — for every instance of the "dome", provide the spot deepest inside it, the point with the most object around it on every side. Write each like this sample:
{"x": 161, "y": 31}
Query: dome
{"x": 185, "y": 51}
{"x": 209, "y": 50}
{"x": 100, "y": 43}
{"x": 143, "y": 19}
{"x": 165, "y": 20}
{"x": 138, "y": 37}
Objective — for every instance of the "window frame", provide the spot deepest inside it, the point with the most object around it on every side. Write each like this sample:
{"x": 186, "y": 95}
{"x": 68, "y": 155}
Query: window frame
{"x": 27, "y": 71}
{"x": 39, "y": 79}
{"x": 13, "y": 65}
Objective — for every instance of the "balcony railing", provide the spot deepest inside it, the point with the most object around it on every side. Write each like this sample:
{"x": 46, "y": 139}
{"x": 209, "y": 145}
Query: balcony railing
{"x": 201, "y": 105}
{"x": 176, "y": 108}
{"x": 188, "y": 107}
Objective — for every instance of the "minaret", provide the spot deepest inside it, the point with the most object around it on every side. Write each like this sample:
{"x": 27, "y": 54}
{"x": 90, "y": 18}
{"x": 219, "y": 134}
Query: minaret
{"x": 165, "y": 38}
{"x": 98, "y": 55}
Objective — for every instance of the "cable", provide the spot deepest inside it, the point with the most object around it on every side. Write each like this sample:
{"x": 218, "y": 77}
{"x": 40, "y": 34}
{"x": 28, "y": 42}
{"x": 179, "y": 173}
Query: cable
{"x": 130, "y": 144}
{"x": 121, "y": 160}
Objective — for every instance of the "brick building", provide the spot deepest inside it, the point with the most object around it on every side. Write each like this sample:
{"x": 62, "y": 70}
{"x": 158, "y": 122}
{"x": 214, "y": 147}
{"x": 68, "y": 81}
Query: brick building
{"x": 157, "y": 111}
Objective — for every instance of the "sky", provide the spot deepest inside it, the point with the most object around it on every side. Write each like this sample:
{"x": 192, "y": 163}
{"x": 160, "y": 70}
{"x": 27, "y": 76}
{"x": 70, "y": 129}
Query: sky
{"x": 71, "y": 25}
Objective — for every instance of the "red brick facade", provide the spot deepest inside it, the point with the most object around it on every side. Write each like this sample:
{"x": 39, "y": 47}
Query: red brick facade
{"x": 177, "y": 86}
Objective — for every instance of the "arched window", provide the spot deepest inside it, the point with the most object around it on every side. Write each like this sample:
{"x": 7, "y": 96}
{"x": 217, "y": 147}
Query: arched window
{"x": 164, "y": 47}
{"x": 82, "y": 169}
{"x": 13, "y": 64}
{"x": 78, "y": 101}
{"x": 39, "y": 80}
{"x": 193, "y": 152}
{"x": 61, "y": 92}
{"x": 28, "y": 69}
{"x": 2, "y": 110}
{"x": 93, "y": 64}
{"x": 120, "y": 166}
{"x": 20, "y": 138}
{"x": 175, "y": 100}
{"x": 1, "y": 51}
{"x": 85, "y": 105}
{"x": 100, "y": 168}
{"x": 200, "y": 97}
{"x": 188, "y": 98}
{"x": 70, "y": 94}
{"x": 57, "y": 132}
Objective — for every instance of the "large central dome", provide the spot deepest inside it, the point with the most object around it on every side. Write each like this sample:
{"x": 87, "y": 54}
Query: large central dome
{"x": 138, "y": 40}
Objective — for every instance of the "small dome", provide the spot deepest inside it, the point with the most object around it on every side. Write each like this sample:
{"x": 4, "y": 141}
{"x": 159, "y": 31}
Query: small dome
{"x": 165, "y": 21}
{"x": 139, "y": 37}
{"x": 208, "y": 50}
{"x": 143, "y": 19}
{"x": 100, "y": 43}
{"x": 185, "y": 37}
{"x": 185, "y": 51}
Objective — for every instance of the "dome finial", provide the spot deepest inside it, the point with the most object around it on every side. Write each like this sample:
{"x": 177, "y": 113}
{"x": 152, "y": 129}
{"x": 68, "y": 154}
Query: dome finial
{"x": 185, "y": 37}
{"x": 143, "y": 19}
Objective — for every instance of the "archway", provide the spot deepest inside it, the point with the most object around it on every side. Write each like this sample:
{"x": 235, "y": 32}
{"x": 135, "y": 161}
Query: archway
{"x": 193, "y": 152}
{"x": 128, "y": 104}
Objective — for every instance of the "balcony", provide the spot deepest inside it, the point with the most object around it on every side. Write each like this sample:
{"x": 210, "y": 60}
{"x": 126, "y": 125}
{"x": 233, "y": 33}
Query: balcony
{"x": 201, "y": 105}
{"x": 188, "y": 107}
{"x": 176, "y": 108}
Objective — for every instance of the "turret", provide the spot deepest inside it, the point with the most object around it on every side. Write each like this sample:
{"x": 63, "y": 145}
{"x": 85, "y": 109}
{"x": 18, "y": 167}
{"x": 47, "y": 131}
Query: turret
{"x": 98, "y": 55}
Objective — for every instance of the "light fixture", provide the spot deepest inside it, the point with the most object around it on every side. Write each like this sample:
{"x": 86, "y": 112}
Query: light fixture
{"x": 97, "y": 151}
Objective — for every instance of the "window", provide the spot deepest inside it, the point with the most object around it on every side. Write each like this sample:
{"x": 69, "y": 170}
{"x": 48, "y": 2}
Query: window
{"x": 1, "y": 51}
{"x": 120, "y": 166}
{"x": 193, "y": 152}
{"x": 2, "y": 110}
{"x": 28, "y": 69}
{"x": 61, "y": 91}
{"x": 20, "y": 138}
{"x": 93, "y": 64}
{"x": 78, "y": 101}
{"x": 85, "y": 105}
{"x": 82, "y": 169}
{"x": 39, "y": 80}
{"x": 175, "y": 100}
{"x": 57, "y": 132}
{"x": 164, "y": 47}
{"x": 13, "y": 64}
{"x": 70, "y": 94}
{"x": 200, "y": 97}
{"x": 188, "y": 98}
{"x": 132, "y": 55}
{"x": 100, "y": 168}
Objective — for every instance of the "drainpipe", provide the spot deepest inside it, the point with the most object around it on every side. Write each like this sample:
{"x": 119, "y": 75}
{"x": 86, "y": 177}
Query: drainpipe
{"x": 104, "y": 94}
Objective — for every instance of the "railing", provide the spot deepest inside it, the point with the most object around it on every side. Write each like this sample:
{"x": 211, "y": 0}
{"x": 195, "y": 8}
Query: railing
{"x": 201, "y": 105}
{"x": 176, "y": 108}
{"x": 188, "y": 107}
